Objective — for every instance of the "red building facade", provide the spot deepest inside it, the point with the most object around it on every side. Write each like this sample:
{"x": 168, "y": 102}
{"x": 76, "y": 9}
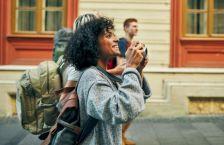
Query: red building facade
{"x": 198, "y": 49}
{"x": 28, "y": 48}
{"x": 187, "y": 49}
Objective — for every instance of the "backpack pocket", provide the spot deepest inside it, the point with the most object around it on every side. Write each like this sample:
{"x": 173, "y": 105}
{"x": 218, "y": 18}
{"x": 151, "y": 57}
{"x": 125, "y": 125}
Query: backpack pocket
{"x": 50, "y": 111}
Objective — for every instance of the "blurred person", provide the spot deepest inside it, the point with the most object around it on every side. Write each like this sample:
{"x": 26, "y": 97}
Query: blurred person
{"x": 130, "y": 27}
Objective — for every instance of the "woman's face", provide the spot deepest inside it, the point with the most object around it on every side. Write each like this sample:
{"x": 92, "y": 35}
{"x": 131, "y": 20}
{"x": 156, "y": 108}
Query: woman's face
{"x": 108, "y": 43}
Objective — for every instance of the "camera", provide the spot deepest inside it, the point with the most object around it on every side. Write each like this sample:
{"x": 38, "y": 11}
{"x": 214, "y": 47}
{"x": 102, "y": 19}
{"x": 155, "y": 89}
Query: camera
{"x": 145, "y": 53}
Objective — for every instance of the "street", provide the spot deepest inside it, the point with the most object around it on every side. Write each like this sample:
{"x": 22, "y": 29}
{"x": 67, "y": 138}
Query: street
{"x": 145, "y": 131}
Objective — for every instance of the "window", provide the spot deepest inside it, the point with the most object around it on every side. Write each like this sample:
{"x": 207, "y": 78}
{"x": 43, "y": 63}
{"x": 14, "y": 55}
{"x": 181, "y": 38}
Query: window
{"x": 38, "y": 16}
{"x": 204, "y": 18}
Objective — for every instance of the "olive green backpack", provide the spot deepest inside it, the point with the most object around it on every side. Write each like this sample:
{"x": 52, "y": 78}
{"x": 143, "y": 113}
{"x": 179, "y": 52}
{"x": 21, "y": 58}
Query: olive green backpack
{"x": 35, "y": 99}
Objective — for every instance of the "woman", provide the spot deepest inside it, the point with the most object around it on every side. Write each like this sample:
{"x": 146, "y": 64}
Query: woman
{"x": 93, "y": 45}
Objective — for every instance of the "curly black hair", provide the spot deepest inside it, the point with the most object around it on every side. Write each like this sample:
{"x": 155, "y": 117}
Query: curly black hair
{"x": 83, "y": 48}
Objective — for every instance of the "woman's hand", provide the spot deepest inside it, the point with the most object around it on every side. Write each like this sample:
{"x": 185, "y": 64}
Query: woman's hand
{"x": 134, "y": 55}
{"x": 142, "y": 65}
{"x": 118, "y": 70}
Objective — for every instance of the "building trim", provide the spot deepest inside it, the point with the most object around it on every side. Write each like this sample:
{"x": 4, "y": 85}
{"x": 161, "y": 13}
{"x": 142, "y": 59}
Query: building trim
{"x": 146, "y": 70}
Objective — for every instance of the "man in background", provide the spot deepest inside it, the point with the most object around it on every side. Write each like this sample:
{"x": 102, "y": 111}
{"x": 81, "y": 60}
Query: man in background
{"x": 131, "y": 29}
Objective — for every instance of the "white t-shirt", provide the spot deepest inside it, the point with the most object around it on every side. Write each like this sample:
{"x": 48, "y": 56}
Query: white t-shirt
{"x": 71, "y": 74}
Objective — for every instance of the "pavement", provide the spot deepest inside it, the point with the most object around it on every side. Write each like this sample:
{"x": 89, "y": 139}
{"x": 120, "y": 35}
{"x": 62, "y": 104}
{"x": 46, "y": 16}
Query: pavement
{"x": 191, "y": 130}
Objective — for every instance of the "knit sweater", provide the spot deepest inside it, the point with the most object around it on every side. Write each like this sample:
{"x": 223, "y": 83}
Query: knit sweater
{"x": 112, "y": 104}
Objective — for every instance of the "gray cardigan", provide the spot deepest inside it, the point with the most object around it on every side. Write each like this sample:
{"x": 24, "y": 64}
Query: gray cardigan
{"x": 111, "y": 105}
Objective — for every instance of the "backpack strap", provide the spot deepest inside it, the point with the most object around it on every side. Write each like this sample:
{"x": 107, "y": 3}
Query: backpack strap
{"x": 92, "y": 122}
{"x": 89, "y": 124}
{"x": 68, "y": 102}
{"x": 87, "y": 129}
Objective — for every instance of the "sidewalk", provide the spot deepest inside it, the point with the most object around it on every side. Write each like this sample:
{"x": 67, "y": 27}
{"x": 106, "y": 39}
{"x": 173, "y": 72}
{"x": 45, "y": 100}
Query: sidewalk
{"x": 174, "y": 131}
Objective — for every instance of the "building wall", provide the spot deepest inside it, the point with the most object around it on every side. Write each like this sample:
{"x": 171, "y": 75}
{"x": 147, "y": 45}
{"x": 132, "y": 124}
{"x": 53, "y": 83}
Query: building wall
{"x": 172, "y": 88}
{"x": 185, "y": 91}
{"x": 176, "y": 91}
{"x": 154, "y": 22}
{"x": 9, "y": 74}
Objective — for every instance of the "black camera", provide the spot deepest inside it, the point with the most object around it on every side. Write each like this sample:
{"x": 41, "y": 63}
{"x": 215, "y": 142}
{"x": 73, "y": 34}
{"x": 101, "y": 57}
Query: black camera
{"x": 145, "y": 53}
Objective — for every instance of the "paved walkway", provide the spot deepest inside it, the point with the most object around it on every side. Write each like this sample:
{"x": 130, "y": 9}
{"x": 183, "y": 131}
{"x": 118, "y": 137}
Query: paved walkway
{"x": 178, "y": 131}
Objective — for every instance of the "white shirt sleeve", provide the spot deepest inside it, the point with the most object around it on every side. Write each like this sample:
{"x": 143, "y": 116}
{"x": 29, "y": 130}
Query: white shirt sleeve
{"x": 73, "y": 74}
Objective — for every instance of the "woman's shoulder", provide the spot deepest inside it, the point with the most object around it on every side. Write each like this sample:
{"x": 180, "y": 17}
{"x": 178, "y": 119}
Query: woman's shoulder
{"x": 93, "y": 74}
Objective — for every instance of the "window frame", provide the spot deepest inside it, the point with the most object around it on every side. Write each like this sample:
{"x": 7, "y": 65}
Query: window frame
{"x": 187, "y": 51}
{"x": 39, "y": 18}
{"x": 210, "y": 18}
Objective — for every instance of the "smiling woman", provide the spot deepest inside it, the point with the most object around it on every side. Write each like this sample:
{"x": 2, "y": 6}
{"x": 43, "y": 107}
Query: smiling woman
{"x": 84, "y": 43}
{"x": 101, "y": 97}
{"x": 109, "y": 45}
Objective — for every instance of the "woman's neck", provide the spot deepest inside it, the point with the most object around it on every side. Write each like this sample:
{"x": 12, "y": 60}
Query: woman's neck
{"x": 102, "y": 63}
